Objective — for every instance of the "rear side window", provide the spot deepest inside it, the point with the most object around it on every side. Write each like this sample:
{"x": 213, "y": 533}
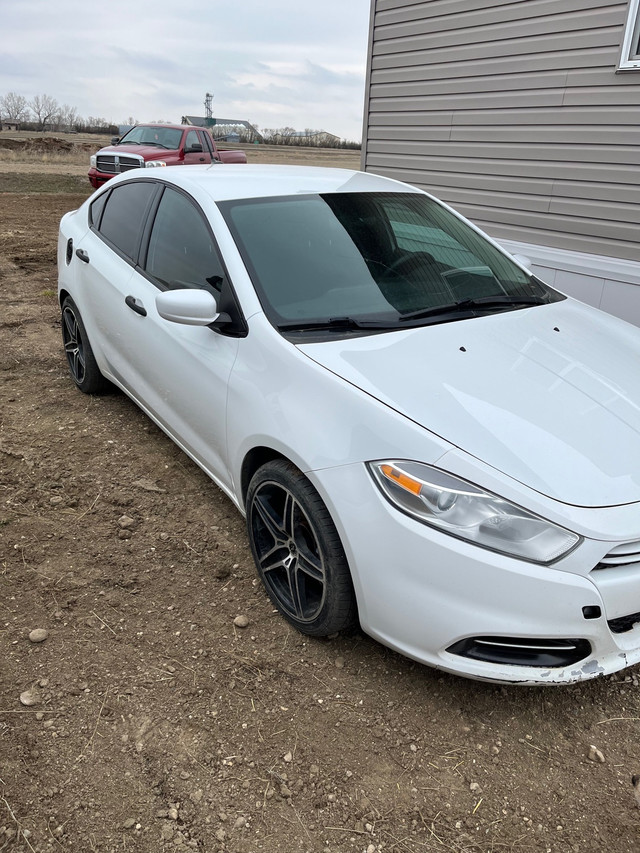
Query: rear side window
{"x": 124, "y": 215}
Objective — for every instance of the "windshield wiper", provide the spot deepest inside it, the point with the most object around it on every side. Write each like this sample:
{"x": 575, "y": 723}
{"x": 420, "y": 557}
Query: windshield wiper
{"x": 483, "y": 303}
{"x": 337, "y": 324}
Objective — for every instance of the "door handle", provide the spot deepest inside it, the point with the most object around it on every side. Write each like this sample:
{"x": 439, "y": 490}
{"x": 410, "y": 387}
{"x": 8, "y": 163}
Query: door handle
{"x": 80, "y": 253}
{"x": 133, "y": 303}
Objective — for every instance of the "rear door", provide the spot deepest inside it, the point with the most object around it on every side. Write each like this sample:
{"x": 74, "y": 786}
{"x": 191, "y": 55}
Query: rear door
{"x": 177, "y": 373}
{"x": 105, "y": 260}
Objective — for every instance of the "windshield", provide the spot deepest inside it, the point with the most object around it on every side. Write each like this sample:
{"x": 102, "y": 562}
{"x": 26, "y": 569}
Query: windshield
{"x": 391, "y": 260}
{"x": 164, "y": 137}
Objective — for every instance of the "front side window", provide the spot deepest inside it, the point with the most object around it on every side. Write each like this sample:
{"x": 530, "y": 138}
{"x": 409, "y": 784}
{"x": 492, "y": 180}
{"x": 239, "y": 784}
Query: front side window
{"x": 181, "y": 250}
{"x": 124, "y": 215}
{"x": 630, "y": 55}
{"x": 389, "y": 259}
{"x": 191, "y": 140}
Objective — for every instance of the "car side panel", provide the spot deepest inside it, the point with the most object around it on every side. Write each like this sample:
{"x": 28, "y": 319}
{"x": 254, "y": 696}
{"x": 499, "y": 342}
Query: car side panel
{"x": 177, "y": 374}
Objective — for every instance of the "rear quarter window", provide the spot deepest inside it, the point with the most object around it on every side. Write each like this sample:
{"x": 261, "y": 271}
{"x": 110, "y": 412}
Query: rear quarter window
{"x": 96, "y": 208}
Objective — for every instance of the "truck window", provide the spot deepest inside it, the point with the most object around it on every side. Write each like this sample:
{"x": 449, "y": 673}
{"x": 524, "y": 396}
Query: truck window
{"x": 191, "y": 140}
{"x": 206, "y": 142}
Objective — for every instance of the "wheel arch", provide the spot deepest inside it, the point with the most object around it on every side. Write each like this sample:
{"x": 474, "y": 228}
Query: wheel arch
{"x": 256, "y": 458}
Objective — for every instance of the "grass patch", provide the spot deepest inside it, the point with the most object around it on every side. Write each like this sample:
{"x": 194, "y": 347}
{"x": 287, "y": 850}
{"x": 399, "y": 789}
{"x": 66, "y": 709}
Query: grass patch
{"x": 36, "y": 183}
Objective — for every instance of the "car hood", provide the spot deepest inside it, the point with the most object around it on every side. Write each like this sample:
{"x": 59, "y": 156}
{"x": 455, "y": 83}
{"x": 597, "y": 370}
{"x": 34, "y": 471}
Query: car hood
{"x": 147, "y": 152}
{"x": 548, "y": 395}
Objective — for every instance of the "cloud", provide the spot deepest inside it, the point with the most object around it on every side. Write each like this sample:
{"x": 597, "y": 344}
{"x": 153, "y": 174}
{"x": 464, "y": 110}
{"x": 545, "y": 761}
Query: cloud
{"x": 277, "y": 63}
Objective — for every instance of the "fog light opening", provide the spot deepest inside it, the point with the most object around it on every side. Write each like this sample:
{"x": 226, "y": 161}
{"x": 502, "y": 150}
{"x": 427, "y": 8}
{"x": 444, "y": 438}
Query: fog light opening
{"x": 523, "y": 651}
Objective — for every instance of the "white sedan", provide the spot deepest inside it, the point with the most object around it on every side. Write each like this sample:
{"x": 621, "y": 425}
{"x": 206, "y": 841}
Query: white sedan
{"x": 425, "y": 438}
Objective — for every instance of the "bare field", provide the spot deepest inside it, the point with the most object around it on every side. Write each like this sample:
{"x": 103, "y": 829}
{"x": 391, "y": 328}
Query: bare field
{"x": 69, "y": 155}
{"x": 156, "y": 724}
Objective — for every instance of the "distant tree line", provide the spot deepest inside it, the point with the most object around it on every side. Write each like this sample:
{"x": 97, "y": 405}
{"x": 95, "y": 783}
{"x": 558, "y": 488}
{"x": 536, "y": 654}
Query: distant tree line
{"x": 250, "y": 133}
{"x": 306, "y": 138}
{"x": 43, "y": 112}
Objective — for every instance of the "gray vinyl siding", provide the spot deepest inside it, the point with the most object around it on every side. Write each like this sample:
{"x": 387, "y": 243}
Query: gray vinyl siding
{"x": 513, "y": 113}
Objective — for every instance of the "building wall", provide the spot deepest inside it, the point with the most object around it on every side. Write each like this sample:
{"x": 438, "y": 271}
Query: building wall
{"x": 513, "y": 113}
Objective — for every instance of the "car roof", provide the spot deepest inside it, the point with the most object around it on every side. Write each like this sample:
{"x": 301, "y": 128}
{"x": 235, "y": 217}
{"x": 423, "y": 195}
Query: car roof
{"x": 228, "y": 181}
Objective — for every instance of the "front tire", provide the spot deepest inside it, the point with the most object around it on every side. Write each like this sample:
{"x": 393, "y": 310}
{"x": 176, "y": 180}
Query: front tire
{"x": 82, "y": 364}
{"x": 298, "y": 552}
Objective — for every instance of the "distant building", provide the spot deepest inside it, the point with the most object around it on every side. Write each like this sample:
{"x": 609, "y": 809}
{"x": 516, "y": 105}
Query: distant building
{"x": 222, "y": 127}
{"x": 10, "y": 125}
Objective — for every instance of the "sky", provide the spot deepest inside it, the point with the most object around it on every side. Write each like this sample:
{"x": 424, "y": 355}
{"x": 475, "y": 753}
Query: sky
{"x": 275, "y": 63}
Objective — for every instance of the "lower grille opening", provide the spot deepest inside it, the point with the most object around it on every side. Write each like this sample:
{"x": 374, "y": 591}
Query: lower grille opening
{"x": 623, "y": 623}
{"x": 522, "y": 651}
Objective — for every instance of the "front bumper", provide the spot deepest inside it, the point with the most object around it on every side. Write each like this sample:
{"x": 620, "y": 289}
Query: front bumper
{"x": 97, "y": 179}
{"x": 421, "y": 592}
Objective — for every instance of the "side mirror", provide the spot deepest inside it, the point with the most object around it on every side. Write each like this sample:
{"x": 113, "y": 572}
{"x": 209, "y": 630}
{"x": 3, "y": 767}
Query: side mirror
{"x": 115, "y": 140}
{"x": 196, "y": 148}
{"x": 191, "y": 306}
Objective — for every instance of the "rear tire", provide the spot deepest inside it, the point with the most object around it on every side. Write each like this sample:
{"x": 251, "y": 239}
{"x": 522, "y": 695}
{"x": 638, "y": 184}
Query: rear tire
{"x": 298, "y": 552}
{"x": 82, "y": 364}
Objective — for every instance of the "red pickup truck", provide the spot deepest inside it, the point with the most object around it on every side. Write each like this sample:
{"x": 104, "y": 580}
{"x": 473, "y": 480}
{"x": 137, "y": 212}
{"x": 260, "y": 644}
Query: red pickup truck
{"x": 149, "y": 145}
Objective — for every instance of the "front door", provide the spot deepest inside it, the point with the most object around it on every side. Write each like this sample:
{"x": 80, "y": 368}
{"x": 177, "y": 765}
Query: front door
{"x": 195, "y": 150}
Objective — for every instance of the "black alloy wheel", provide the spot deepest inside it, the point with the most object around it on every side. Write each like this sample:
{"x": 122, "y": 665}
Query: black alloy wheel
{"x": 82, "y": 364}
{"x": 298, "y": 552}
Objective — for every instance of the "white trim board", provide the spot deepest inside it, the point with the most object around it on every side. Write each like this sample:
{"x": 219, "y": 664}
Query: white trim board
{"x": 600, "y": 266}
{"x": 611, "y": 284}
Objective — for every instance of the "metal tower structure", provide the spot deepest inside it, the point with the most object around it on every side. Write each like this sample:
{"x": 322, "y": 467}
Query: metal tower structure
{"x": 207, "y": 108}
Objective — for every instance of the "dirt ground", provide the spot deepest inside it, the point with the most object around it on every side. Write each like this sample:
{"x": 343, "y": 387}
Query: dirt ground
{"x": 157, "y": 724}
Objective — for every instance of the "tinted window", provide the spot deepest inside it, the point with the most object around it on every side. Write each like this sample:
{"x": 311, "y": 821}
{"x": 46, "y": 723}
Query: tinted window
{"x": 97, "y": 207}
{"x": 431, "y": 243}
{"x": 371, "y": 256}
{"x": 181, "y": 249}
{"x": 124, "y": 215}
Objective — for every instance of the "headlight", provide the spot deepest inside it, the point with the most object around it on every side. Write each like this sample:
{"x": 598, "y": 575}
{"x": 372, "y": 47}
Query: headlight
{"x": 467, "y": 512}
{"x": 93, "y": 160}
{"x": 150, "y": 164}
